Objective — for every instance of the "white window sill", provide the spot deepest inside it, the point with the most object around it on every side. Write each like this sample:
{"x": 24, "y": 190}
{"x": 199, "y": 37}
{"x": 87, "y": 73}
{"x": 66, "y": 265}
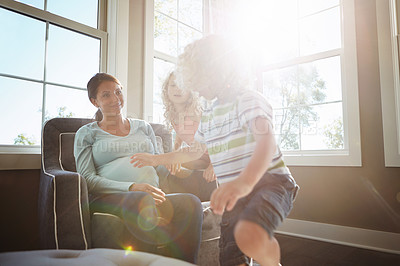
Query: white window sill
{"x": 20, "y": 149}
{"x": 322, "y": 158}
{"x": 15, "y": 157}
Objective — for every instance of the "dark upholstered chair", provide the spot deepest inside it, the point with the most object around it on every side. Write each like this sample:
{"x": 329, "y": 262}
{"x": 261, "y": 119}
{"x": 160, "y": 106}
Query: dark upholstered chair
{"x": 65, "y": 219}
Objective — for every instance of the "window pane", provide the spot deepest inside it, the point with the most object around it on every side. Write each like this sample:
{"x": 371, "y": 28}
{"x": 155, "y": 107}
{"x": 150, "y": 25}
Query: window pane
{"x": 322, "y": 127}
{"x": 279, "y": 43}
{"x": 83, "y": 11}
{"x": 300, "y": 88}
{"x": 281, "y": 87}
{"x": 35, "y": 3}
{"x": 191, "y": 13}
{"x": 67, "y": 102}
{"x": 320, "y": 81}
{"x": 161, "y": 70}
{"x": 186, "y": 36}
{"x": 22, "y": 99}
{"x": 165, "y": 34}
{"x": 168, "y": 7}
{"x": 320, "y": 32}
{"x": 71, "y": 62}
{"x": 307, "y": 7}
{"x": 22, "y": 42}
{"x": 286, "y": 126}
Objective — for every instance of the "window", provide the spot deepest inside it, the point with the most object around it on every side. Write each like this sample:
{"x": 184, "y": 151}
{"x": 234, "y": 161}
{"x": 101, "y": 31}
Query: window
{"x": 308, "y": 72}
{"x": 176, "y": 23}
{"x": 388, "y": 45}
{"x": 49, "y": 49}
{"x": 304, "y": 56}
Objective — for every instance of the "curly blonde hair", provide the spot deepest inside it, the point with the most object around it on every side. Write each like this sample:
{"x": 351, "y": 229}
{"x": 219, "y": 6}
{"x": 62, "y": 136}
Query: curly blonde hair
{"x": 214, "y": 62}
{"x": 171, "y": 115}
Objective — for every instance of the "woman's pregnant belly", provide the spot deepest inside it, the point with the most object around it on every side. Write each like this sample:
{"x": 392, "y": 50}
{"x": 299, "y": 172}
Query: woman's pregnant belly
{"x": 122, "y": 170}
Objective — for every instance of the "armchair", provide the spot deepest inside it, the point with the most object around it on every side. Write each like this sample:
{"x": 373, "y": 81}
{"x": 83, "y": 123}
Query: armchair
{"x": 64, "y": 217}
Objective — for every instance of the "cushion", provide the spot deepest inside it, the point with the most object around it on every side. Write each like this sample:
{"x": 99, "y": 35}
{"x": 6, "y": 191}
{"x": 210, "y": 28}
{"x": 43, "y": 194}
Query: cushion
{"x": 86, "y": 257}
{"x": 66, "y": 141}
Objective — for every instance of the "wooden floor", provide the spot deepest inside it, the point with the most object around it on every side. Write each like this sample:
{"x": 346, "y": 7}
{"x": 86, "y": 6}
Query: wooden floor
{"x": 305, "y": 252}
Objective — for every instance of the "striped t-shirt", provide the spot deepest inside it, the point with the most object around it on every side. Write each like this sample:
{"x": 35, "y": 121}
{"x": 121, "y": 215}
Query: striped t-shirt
{"x": 225, "y": 129}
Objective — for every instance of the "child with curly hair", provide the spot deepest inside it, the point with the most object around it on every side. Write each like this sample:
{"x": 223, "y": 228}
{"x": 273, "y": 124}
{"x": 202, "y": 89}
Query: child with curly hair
{"x": 183, "y": 114}
{"x": 257, "y": 189}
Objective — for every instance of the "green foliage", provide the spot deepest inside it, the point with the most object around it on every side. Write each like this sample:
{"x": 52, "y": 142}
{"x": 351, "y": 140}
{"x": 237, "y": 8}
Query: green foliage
{"x": 161, "y": 25}
{"x": 21, "y": 139}
{"x": 334, "y": 134}
{"x": 298, "y": 88}
{"x": 62, "y": 112}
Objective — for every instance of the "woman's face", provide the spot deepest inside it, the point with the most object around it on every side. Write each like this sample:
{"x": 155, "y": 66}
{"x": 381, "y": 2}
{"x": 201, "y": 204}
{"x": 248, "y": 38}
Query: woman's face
{"x": 109, "y": 98}
{"x": 176, "y": 95}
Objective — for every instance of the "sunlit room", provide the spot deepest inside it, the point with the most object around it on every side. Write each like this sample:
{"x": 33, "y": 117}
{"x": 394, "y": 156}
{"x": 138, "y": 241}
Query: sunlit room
{"x": 205, "y": 132}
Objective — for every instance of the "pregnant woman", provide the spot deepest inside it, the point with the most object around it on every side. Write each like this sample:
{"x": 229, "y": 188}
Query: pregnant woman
{"x": 102, "y": 150}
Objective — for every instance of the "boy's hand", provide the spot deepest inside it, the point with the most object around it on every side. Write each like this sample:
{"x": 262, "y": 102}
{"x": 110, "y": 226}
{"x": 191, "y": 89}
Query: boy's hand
{"x": 226, "y": 196}
{"x": 209, "y": 174}
{"x": 143, "y": 159}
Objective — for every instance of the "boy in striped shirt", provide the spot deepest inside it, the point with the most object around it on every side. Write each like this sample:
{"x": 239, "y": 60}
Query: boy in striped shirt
{"x": 257, "y": 190}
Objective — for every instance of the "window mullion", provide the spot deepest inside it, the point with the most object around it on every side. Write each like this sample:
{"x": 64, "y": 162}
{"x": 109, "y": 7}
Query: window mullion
{"x": 52, "y": 18}
{"x": 303, "y": 59}
{"x": 165, "y": 57}
{"x": 20, "y": 77}
{"x": 297, "y": 109}
{"x": 177, "y": 26}
{"x": 44, "y": 73}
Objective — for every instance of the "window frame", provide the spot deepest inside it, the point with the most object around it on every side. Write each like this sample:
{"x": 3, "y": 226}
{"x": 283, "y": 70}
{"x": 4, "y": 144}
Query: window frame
{"x": 388, "y": 22}
{"x": 50, "y": 18}
{"x": 151, "y": 54}
{"x": 351, "y": 154}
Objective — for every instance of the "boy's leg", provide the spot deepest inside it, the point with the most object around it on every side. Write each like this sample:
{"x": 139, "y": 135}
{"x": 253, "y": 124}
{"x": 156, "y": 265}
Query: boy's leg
{"x": 267, "y": 206}
{"x": 248, "y": 228}
{"x": 255, "y": 242}
{"x": 229, "y": 252}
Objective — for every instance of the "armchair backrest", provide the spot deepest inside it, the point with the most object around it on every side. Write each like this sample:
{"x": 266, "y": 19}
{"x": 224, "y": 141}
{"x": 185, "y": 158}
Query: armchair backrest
{"x": 58, "y": 142}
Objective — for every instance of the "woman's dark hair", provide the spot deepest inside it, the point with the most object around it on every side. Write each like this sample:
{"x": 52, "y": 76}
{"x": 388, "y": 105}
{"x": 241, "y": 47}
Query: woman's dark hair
{"x": 93, "y": 86}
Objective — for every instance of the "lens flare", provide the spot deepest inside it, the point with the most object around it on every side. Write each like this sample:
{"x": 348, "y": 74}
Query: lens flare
{"x": 147, "y": 220}
{"x": 157, "y": 225}
{"x": 128, "y": 250}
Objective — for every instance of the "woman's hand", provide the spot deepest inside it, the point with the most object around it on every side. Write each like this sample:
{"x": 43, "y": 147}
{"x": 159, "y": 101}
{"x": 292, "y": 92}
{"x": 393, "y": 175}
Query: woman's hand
{"x": 173, "y": 168}
{"x": 157, "y": 194}
{"x": 209, "y": 174}
{"x": 143, "y": 159}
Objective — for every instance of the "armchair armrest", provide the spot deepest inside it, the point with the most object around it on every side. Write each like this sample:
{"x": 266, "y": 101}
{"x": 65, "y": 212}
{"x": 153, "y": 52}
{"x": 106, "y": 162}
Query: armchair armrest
{"x": 64, "y": 217}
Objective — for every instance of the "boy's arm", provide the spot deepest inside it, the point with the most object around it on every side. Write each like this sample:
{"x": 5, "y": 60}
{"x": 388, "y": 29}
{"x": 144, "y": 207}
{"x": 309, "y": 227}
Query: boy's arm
{"x": 199, "y": 164}
{"x": 178, "y": 142}
{"x": 183, "y": 155}
{"x": 226, "y": 196}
